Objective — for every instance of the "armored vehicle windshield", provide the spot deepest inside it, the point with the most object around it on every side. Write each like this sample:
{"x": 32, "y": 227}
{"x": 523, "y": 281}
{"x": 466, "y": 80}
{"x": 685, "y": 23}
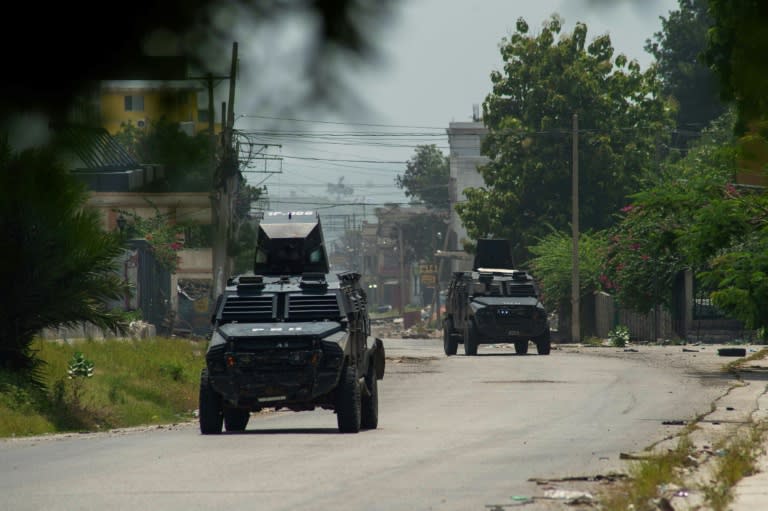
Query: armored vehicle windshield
{"x": 290, "y": 243}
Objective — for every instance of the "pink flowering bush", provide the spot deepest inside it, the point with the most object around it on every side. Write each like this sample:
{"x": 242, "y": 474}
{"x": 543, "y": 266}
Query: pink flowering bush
{"x": 165, "y": 238}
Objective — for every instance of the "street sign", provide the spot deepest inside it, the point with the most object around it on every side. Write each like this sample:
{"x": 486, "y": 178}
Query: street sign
{"x": 428, "y": 279}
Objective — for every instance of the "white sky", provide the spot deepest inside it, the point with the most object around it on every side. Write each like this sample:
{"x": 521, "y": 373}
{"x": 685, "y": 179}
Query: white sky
{"x": 438, "y": 55}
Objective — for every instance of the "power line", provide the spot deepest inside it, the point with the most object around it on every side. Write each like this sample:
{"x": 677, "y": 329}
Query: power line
{"x": 310, "y": 158}
{"x": 253, "y": 116}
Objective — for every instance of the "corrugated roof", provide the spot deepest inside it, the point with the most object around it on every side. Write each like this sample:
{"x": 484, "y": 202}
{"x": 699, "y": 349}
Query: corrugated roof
{"x": 95, "y": 149}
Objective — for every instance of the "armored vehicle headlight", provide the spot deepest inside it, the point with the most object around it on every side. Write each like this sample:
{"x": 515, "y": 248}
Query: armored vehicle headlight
{"x": 481, "y": 312}
{"x": 217, "y": 339}
{"x": 304, "y": 357}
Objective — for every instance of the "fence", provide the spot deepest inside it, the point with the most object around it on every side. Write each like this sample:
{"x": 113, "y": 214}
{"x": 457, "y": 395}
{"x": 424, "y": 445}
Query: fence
{"x": 642, "y": 327}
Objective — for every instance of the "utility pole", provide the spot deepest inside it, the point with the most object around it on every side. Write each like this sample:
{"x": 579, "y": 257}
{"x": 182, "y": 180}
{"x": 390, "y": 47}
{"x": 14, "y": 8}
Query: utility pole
{"x": 403, "y": 284}
{"x": 575, "y": 292}
{"x": 436, "y": 299}
{"x": 225, "y": 188}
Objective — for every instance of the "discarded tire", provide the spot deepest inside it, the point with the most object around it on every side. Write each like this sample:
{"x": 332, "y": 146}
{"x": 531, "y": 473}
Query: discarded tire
{"x": 732, "y": 352}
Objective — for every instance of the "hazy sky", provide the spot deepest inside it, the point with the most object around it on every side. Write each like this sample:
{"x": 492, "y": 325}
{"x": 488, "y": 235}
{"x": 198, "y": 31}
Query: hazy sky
{"x": 437, "y": 56}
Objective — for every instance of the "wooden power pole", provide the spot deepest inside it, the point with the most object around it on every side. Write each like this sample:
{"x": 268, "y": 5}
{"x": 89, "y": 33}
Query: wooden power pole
{"x": 575, "y": 291}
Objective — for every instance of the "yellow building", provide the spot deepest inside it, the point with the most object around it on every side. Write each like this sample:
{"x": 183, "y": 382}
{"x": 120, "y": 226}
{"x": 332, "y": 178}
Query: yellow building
{"x": 142, "y": 102}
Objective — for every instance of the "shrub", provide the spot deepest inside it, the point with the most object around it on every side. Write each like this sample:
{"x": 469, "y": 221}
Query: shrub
{"x": 619, "y": 336}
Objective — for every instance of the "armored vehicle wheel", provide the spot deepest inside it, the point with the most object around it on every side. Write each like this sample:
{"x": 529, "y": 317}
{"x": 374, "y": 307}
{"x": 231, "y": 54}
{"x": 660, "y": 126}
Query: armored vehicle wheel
{"x": 543, "y": 343}
{"x": 348, "y": 401}
{"x": 210, "y": 407}
{"x": 236, "y": 419}
{"x": 521, "y": 347}
{"x": 450, "y": 344}
{"x": 470, "y": 339}
{"x": 369, "y": 418}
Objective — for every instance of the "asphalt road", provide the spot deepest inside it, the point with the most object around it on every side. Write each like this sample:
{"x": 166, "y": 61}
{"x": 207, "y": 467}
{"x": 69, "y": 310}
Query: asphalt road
{"x": 455, "y": 433}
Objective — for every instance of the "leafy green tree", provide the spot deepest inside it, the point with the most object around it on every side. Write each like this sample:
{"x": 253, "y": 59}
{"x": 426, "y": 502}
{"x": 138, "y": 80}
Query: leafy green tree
{"x": 678, "y": 49}
{"x": 673, "y": 223}
{"x": 420, "y": 236}
{"x": 552, "y": 265}
{"x": 739, "y": 277}
{"x": 426, "y": 177}
{"x": 186, "y": 159}
{"x": 426, "y": 180}
{"x": 623, "y": 121}
{"x": 736, "y": 50}
{"x": 59, "y": 267}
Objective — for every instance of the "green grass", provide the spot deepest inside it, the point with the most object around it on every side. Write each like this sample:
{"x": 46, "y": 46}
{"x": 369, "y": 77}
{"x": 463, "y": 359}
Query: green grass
{"x": 739, "y": 460}
{"x": 646, "y": 477}
{"x": 135, "y": 382}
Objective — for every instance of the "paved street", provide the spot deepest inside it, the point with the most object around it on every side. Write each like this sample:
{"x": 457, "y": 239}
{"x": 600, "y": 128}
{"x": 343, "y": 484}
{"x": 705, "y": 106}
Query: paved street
{"x": 458, "y": 433}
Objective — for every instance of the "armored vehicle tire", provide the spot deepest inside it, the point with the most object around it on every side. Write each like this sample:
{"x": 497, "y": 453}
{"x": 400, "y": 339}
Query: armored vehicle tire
{"x": 236, "y": 419}
{"x": 470, "y": 339}
{"x": 543, "y": 344}
{"x": 210, "y": 407}
{"x": 521, "y": 347}
{"x": 369, "y": 418}
{"x": 450, "y": 344}
{"x": 348, "y": 402}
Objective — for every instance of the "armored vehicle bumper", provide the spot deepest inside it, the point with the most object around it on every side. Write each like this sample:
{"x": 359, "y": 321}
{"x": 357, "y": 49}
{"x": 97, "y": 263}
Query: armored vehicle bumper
{"x": 509, "y": 320}
{"x": 276, "y": 364}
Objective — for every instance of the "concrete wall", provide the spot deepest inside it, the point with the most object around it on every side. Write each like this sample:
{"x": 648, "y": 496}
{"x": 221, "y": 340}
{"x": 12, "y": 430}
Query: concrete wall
{"x": 465, "y": 139}
{"x": 187, "y": 207}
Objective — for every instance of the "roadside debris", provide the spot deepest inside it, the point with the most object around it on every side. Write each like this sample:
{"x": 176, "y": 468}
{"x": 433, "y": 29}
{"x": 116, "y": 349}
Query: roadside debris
{"x": 633, "y": 456}
{"x": 572, "y": 497}
{"x": 610, "y": 477}
{"x": 732, "y": 352}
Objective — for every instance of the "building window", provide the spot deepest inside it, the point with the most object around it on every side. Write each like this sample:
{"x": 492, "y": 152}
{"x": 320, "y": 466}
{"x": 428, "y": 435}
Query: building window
{"x": 134, "y": 103}
{"x": 202, "y": 116}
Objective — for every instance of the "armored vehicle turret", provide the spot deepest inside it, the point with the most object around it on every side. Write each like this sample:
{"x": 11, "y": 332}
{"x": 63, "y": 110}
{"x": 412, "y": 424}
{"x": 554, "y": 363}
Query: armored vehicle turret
{"x": 291, "y": 335}
{"x": 494, "y": 303}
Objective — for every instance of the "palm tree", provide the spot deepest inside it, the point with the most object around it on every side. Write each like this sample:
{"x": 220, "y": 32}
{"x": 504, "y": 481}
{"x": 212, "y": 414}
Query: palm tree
{"x": 57, "y": 266}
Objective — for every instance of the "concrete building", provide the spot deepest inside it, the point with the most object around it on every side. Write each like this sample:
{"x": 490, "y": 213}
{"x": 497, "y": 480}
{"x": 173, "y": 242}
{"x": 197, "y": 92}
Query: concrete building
{"x": 140, "y": 103}
{"x": 464, "y": 139}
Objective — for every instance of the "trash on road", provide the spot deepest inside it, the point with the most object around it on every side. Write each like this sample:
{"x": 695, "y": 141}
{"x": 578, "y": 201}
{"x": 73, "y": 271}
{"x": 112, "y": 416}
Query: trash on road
{"x": 572, "y": 496}
{"x": 732, "y": 352}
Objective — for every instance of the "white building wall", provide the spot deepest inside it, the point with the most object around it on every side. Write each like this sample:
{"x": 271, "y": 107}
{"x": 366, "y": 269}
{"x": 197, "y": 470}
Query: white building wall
{"x": 464, "y": 139}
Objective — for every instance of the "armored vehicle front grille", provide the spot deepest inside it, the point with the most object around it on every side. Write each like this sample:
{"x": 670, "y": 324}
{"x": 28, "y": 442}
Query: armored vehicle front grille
{"x": 521, "y": 290}
{"x": 282, "y": 343}
{"x": 273, "y": 354}
{"x": 310, "y": 307}
{"x": 249, "y": 308}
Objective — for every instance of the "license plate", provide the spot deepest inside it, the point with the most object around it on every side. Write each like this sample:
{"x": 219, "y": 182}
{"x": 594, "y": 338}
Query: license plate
{"x": 513, "y": 332}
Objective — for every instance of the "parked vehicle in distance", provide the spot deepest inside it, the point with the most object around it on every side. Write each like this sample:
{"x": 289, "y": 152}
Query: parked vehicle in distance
{"x": 291, "y": 335}
{"x": 494, "y": 303}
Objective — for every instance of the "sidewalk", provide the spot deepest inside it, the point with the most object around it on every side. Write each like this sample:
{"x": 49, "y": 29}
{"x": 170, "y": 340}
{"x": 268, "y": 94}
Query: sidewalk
{"x": 751, "y": 493}
{"x": 731, "y": 417}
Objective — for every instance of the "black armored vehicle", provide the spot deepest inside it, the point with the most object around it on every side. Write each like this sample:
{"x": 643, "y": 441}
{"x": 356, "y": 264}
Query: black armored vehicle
{"x": 291, "y": 335}
{"x": 494, "y": 303}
